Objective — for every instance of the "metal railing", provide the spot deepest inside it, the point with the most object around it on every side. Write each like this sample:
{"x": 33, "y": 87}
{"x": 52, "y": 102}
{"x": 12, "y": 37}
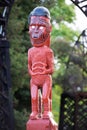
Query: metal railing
{"x": 82, "y": 5}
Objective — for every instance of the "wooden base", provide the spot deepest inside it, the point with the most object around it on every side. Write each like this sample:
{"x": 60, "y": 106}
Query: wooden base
{"x": 41, "y": 124}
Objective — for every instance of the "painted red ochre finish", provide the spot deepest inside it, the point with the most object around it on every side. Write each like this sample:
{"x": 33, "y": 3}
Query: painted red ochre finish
{"x": 40, "y": 68}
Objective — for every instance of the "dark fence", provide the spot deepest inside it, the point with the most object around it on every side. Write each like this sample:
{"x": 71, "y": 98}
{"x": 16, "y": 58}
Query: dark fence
{"x": 73, "y": 111}
{"x": 6, "y": 108}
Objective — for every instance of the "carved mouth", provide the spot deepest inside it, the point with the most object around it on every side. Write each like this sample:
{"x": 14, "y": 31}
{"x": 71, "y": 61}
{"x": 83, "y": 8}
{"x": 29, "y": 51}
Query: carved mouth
{"x": 35, "y": 36}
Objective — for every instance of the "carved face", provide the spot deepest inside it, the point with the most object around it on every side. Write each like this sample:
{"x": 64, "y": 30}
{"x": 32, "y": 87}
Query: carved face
{"x": 39, "y": 30}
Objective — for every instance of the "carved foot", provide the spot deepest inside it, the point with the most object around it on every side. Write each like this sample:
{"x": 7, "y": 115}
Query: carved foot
{"x": 47, "y": 114}
{"x": 34, "y": 115}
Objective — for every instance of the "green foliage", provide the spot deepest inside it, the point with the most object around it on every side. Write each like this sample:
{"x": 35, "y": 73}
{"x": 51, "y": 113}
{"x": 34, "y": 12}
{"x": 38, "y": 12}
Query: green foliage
{"x": 21, "y": 119}
{"x": 62, "y": 12}
{"x": 22, "y": 99}
{"x": 64, "y": 32}
{"x": 57, "y": 90}
{"x": 61, "y": 48}
{"x": 72, "y": 78}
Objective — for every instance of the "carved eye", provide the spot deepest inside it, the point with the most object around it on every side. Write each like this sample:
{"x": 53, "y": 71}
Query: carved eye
{"x": 41, "y": 27}
{"x": 33, "y": 27}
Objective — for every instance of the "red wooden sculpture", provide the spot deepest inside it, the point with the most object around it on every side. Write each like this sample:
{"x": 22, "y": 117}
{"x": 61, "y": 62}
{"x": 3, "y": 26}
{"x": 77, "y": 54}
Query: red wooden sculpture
{"x": 40, "y": 67}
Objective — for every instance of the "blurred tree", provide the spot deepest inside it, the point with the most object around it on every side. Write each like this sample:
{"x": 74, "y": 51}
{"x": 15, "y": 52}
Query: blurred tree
{"x": 71, "y": 65}
{"x": 70, "y": 68}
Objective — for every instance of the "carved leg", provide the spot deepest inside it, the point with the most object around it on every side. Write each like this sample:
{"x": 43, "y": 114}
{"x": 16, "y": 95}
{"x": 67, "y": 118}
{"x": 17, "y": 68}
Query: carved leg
{"x": 34, "y": 101}
{"x": 34, "y": 114}
{"x": 50, "y": 100}
{"x": 46, "y": 101}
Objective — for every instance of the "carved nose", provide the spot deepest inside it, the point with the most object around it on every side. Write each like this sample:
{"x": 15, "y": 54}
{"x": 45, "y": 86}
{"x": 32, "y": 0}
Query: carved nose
{"x": 36, "y": 29}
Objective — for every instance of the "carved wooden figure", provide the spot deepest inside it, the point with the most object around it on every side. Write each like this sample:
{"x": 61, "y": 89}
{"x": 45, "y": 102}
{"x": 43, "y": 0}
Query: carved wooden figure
{"x": 40, "y": 64}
